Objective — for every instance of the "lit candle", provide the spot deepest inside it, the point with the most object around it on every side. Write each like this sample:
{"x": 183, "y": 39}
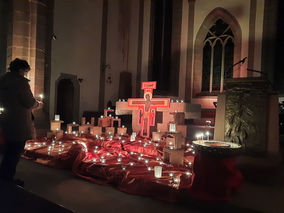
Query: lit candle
{"x": 207, "y": 134}
{"x": 118, "y": 160}
{"x": 188, "y": 173}
{"x": 171, "y": 174}
{"x": 102, "y": 116}
{"x": 74, "y": 122}
{"x": 158, "y": 171}
{"x": 41, "y": 96}
{"x": 131, "y": 163}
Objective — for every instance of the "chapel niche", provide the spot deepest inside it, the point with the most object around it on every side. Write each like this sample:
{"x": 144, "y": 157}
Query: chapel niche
{"x": 65, "y": 100}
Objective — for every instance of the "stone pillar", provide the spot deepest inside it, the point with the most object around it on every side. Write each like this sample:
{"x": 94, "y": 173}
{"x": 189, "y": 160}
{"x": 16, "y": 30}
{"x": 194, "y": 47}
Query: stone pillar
{"x": 28, "y": 38}
{"x": 189, "y": 70}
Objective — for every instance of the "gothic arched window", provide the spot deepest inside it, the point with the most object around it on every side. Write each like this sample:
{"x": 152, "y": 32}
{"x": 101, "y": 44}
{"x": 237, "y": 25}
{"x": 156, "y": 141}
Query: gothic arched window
{"x": 218, "y": 57}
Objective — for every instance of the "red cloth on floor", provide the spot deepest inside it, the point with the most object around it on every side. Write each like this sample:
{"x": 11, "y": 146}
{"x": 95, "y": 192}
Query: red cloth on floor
{"x": 215, "y": 178}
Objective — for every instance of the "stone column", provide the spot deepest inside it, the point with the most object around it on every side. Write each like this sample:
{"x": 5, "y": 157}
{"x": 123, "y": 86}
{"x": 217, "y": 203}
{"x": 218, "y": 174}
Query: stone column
{"x": 189, "y": 70}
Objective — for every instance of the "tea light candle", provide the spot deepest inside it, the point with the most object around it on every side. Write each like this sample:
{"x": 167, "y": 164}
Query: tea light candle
{"x": 176, "y": 180}
{"x": 158, "y": 171}
{"x": 102, "y": 116}
{"x": 131, "y": 163}
{"x": 118, "y": 160}
{"x": 171, "y": 174}
{"x": 74, "y": 122}
{"x": 188, "y": 173}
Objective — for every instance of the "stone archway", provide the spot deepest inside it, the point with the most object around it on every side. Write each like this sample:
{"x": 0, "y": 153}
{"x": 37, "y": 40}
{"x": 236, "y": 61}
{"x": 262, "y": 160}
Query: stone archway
{"x": 211, "y": 18}
{"x": 67, "y": 97}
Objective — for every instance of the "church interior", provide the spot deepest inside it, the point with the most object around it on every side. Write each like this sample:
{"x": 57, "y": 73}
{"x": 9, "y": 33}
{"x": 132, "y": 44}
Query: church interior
{"x": 169, "y": 105}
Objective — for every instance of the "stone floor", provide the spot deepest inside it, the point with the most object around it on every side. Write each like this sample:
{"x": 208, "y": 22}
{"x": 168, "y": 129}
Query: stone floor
{"x": 263, "y": 191}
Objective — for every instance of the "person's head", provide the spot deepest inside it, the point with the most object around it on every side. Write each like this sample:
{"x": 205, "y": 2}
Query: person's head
{"x": 19, "y": 66}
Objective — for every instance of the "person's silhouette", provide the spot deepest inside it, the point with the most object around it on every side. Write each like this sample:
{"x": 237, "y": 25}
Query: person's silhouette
{"x": 17, "y": 101}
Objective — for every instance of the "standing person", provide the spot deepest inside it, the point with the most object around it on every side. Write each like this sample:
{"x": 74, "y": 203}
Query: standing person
{"x": 17, "y": 100}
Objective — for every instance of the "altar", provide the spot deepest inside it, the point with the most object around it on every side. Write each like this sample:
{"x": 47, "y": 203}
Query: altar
{"x": 159, "y": 161}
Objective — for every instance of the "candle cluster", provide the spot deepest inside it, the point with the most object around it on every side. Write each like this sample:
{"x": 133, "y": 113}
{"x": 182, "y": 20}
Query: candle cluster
{"x": 177, "y": 101}
{"x": 122, "y": 100}
{"x": 202, "y": 136}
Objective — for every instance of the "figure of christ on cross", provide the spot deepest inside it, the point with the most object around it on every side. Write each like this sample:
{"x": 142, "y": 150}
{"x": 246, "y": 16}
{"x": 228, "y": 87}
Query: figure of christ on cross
{"x": 147, "y": 107}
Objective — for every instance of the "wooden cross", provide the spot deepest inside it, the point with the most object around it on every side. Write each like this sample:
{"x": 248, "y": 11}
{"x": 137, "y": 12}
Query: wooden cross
{"x": 147, "y": 107}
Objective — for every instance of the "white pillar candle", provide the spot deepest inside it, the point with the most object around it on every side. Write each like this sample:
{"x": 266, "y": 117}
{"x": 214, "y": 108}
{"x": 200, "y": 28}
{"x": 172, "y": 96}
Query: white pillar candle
{"x": 158, "y": 171}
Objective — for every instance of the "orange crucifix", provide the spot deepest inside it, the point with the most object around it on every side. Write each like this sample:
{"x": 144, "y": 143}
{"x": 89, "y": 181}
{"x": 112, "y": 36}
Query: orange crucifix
{"x": 147, "y": 107}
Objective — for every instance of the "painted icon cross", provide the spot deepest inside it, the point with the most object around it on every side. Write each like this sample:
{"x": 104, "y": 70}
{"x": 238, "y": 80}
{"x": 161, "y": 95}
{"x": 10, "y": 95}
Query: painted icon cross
{"x": 147, "y": 107}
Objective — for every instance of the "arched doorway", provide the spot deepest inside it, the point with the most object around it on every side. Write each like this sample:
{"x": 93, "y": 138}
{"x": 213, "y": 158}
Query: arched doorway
{"x": 65, "y": 100}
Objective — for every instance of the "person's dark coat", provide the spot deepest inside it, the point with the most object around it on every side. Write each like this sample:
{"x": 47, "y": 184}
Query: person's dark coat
{"x": 17, "y": 100}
